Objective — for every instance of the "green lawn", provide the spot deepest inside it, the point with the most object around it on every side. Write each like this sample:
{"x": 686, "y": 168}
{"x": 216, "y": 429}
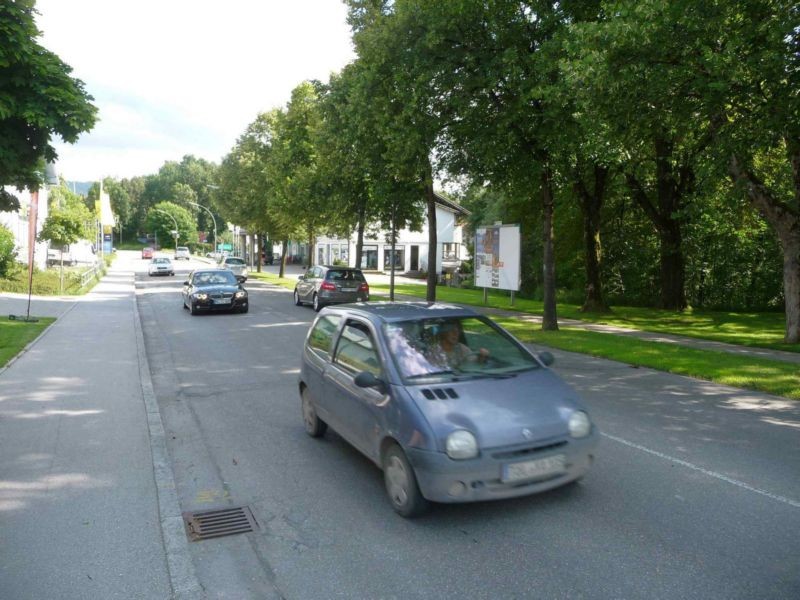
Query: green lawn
{"x": 15, "y": 335}
{"x": 286, "y": 282}
{"x": 764, "y": 330}
{"x": 772, "y": 377}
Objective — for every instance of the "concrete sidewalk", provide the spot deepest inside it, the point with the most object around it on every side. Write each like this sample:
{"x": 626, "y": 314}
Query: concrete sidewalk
{"x": 83, "y": 511}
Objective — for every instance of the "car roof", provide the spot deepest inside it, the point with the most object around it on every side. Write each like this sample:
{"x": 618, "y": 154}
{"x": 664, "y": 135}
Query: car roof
{"x": 338, "y": 268}
{"x": 388, "y": 312}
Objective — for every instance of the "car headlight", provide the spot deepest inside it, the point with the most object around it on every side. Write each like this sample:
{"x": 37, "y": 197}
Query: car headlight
{"x": 201, "y": 296}
{"x": 579, "y": 424}
{"x": 461, "y": 444}
{"x": 241, "y": 294}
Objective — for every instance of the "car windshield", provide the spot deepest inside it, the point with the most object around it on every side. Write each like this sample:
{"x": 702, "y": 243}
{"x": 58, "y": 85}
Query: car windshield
{"x": 234, "y": 261}
{"x": 344, "y": 275}
{"x": 454, "y": 348}
{"x": 215, "y": 278}
{"x": 183, "y": 249}
{"x": 161, "y": 261}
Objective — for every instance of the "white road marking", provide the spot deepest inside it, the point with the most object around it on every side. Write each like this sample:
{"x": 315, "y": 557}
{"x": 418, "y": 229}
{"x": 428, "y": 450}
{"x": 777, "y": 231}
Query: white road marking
{"x": 713, "y": 474}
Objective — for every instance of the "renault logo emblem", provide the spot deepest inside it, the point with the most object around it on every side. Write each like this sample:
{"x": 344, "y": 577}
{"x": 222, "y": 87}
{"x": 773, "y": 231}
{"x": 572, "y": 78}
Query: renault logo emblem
{"x": 527, "y": 433}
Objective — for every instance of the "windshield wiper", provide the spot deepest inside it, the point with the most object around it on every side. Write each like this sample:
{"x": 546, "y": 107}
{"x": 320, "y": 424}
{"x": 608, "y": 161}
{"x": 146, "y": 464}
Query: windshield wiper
{"x": 430, "y": 374}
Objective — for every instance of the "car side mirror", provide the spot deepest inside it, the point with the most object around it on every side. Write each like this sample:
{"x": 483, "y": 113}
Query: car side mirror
{"x": 301, "y": 277}
{"x": 365, "y": 379}
{"x": 186, "y": 282}
{"x": 547, "y": 358}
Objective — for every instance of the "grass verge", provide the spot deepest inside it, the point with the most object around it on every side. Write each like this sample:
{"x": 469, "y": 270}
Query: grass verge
{"x": 272, "y": 278}
{"x": 772, "y": 377}
{"x": 757, "y": 329}
{"x": 15, "y": 335}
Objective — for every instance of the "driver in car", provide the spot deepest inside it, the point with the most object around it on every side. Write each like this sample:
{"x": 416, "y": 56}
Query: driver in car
{"x": 449, "y": 351}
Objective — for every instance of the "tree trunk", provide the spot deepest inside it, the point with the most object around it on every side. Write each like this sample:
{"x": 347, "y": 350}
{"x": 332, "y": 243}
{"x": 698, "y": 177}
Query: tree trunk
{"x": 310, "y": 247}
{"x": 672, "y": 185}
{"x": 430, "y": 292}
{"x": 549, "y": 317}
{"x": 284, "y": 249}
{"x": 359, "y": 240}
{"x": 391, "y": 258}
{"x": 591, "y": 204}
{"x": 672, "y": 267}
{"x": 785, "y": 220}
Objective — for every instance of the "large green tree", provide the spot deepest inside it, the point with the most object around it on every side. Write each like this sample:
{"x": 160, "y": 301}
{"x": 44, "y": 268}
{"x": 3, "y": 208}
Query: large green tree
{"x": 38, "y": 99}
{"x": 714, "y": 78}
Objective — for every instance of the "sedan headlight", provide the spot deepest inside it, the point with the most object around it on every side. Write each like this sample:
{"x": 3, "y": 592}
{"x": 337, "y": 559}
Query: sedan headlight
{"x": 461, "y": 444}
{"x": 241, "y": 294}
{"x": 201, "y": 296}
{"x": 579, "y": 424}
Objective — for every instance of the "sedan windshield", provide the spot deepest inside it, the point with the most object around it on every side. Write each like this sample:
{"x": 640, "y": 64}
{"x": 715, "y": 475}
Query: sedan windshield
{"x": 454, "y": 348}
{"x": 234, "y": 261}
{"x": 215, "y": 278}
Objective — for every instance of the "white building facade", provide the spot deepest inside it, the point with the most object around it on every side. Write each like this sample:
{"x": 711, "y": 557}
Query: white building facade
{"x": 18, "y": 222}
{"x": 411, "y": 249}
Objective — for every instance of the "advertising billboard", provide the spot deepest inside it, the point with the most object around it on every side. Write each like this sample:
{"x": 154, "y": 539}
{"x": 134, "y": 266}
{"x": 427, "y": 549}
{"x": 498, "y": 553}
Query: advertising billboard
{"x": 497, "y": 256}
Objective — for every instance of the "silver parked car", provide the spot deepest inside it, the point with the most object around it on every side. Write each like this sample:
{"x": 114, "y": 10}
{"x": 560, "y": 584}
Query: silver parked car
{"x": 446, "y": 402}
{"x": 235, "y": 264}
{"x": 323, "y": 285}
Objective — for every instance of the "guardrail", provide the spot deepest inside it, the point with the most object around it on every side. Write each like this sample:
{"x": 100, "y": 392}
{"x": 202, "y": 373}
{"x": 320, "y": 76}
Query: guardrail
{"x": 89, "y": 274}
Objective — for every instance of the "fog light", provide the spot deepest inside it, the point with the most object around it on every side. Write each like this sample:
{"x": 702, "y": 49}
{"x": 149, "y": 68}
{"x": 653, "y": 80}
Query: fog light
{"x": 457, "y": 488}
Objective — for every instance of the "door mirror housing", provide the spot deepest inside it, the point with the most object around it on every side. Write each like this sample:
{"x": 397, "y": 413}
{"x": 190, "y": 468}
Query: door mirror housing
{"x": 301, "y": 277}
{"x": 365, "y": 379}
{"x": 547, "y": 358}
{"x": 186, "y": 282}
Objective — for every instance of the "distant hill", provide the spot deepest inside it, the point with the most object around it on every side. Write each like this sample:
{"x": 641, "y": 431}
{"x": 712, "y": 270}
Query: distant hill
{"x": 80, "y": 187}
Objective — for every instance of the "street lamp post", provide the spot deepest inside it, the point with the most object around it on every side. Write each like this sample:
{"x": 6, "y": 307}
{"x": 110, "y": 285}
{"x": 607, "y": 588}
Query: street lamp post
{"x": 212, "y": 219}
{"x": 175, "y": 235}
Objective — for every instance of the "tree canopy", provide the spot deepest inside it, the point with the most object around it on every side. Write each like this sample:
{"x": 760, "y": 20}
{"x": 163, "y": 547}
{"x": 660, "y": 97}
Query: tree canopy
{"x": 38, "y": 99}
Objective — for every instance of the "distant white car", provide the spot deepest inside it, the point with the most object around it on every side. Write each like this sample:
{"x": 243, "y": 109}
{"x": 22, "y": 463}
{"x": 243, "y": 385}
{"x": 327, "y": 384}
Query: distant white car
{"x": 160, "y": 266}
{"x": 182, "y": 252}
{"x": 235, "y": 264}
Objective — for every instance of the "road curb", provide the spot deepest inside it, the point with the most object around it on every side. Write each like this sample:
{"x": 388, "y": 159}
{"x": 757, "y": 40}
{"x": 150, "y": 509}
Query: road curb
{"x": 182, "y": 576}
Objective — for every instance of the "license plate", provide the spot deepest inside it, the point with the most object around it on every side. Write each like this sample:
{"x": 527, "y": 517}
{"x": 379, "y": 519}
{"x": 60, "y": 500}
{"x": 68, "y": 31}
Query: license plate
{"x": 349, "y": 289}
{"x": 223, "y": 301}
{"x": 534, "y": 469}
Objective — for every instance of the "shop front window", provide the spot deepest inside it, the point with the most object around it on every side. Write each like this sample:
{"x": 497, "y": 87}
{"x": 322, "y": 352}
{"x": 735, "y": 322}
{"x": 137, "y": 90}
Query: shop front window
{"x": 399, "y": 258}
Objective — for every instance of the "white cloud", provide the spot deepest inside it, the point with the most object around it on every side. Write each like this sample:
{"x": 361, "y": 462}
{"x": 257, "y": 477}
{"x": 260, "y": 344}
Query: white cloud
{"x": 176, "y": 77}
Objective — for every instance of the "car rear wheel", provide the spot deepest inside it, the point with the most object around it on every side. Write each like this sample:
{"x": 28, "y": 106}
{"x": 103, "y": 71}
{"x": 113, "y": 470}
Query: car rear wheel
{"x": 297, "y": 299}
{"x": 315, "y": 427}
{"x": 401, "y": 484}
{"x": 316, "y": 303}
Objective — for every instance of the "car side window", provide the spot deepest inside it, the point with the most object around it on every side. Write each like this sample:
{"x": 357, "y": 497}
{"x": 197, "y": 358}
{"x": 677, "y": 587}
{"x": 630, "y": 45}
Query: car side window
{"x": 356, "y": 349}
{"x": 322, "y": 334}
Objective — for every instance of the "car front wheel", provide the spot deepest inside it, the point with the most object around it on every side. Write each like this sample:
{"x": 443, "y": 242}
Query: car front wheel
{"x": 401, "y": 484}
{"x": 192, "y": 308}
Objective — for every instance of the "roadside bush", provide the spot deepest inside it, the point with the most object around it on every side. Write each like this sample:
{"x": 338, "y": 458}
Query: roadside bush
{"x": 8, "y": 255}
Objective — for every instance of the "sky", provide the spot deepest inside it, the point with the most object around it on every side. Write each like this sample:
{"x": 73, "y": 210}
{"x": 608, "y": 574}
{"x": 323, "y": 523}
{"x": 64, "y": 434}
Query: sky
{"x": 178, "y": 77}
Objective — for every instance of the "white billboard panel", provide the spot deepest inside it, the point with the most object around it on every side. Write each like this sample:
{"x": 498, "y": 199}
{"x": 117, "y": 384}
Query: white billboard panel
{"x": 497, "y": 257}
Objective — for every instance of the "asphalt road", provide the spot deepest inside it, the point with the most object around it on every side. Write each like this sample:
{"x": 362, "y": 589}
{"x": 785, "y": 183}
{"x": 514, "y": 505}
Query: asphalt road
{"x": 695, "y": 493}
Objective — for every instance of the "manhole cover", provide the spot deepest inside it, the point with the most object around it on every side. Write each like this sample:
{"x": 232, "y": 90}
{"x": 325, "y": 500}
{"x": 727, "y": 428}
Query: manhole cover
{"x": 207, "y": 524}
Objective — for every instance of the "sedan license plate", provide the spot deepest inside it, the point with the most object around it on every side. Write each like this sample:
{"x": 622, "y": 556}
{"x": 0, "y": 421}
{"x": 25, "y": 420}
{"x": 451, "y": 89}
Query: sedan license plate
{"x": 223, "y": 301}
{"x": 534, "y": 469}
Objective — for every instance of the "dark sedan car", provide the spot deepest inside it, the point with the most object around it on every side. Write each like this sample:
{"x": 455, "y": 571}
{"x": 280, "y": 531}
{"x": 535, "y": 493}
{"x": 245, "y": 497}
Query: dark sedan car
{"x": 446, "y": 402}
{"x": 323, "y": 285}
{"x": 214, "y": 290}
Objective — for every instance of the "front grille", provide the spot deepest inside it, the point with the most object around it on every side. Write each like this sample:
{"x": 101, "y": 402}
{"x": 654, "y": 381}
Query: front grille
{"x": 520, "y": 452}
{"x": 220, "y": 295}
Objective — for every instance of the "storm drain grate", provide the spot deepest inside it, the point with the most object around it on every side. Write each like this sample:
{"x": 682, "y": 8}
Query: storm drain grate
{"x": 208, "y": 524}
